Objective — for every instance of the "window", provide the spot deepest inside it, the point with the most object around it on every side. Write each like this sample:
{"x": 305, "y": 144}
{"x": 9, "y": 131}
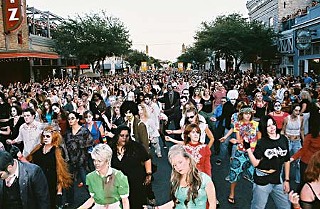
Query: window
{"x": 271, "y": 22}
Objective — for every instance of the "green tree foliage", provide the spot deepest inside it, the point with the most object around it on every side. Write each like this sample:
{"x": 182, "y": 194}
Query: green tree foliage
{"x": 194, "y": 55}
{"x": 134, "y": 57}
{"x": 235, "y": 36}
{"x": 92, "y": 37}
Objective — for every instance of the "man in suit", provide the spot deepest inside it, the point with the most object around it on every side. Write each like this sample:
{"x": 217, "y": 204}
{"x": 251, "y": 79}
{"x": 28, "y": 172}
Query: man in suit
{"x": 129, "y": 110}
{"x": 170, "y": 100}
{"x": 22, "y": 185}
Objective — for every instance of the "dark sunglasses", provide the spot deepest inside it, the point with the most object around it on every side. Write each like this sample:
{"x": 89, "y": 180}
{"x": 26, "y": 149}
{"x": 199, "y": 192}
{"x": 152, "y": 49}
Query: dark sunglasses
{"x": 71, "y": 118}
{"x": 124, "y": 135}
{"x": 192, "y": 116}
{"x": 46, "y": 136}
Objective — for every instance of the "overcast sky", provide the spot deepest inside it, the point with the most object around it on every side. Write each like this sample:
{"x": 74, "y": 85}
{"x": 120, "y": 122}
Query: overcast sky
{"x": 163, "y": 25}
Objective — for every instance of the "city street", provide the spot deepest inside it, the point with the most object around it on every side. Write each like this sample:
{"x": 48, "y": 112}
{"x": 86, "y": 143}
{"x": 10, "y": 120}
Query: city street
{"x": 161, "y": 185}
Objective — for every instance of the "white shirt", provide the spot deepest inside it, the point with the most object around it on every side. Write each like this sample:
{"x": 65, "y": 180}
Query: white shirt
{"x": 30, "y": 135}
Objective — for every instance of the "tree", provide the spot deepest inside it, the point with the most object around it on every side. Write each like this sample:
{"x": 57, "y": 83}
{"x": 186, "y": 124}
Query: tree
{"x": 134, "y": 57}
{"x": 194, "y": 55}
{"x": 235, "y": 36}
{"x": 91, "y": 38}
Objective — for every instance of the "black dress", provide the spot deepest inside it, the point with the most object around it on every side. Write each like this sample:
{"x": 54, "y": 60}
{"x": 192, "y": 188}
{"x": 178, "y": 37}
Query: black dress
{"x": 15, "y": 130}
{"x": 132, "y": 165}
{"x": 47, "y": 162}
{"x": 4, "y": 115}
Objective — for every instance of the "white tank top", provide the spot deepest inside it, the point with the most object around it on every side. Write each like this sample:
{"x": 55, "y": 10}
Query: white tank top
{"x": 293, "y": 126}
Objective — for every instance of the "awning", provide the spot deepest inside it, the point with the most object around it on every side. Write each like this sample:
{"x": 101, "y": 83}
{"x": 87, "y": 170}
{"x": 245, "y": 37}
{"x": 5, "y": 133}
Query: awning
{"x": 84, "y": 66}
{"x": 8, "y": 55}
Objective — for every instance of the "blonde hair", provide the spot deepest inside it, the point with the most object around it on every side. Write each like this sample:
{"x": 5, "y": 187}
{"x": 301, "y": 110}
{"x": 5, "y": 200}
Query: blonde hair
{"x": 103, "y": 152}
{"x": 305, "y": 94}
{"x": 144, "y": 110}
{"x": 193, "y": 175}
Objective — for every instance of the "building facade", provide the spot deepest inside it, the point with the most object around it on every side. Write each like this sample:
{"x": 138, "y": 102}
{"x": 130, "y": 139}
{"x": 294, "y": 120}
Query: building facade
{"x": 288, "y": 17}
{"x": 27, "y": 51}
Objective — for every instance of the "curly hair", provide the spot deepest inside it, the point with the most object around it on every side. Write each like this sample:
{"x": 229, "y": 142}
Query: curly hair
{"x": 64, "y": 178}
{"x": 193, "y": 175}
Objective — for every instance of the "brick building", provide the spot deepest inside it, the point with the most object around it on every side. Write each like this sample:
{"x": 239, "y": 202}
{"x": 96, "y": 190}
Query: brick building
{"x": 26, "y": 54}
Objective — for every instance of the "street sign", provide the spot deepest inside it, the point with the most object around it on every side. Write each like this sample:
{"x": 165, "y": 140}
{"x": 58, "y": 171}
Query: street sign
{"x": 12, "y": 15}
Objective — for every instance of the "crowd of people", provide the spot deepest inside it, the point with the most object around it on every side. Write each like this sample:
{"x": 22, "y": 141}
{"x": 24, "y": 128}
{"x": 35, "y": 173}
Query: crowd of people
{"x": 104, "y": 133}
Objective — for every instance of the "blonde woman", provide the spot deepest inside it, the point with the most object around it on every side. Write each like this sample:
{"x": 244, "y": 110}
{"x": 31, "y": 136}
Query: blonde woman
{"x": 305, "y": 109}
{"x": 153, "y": 133}
{"x": 107, "y": 186}
{"x": 190, "y": 188}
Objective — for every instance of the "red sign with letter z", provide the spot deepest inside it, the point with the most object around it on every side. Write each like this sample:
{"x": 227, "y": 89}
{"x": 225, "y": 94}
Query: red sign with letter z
{"x": 12, "y": 15}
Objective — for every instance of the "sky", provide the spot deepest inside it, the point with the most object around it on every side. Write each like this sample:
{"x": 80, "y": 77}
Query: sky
{"x": 163, "y": 25}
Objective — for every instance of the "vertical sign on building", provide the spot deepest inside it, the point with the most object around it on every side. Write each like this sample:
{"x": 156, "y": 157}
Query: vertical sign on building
{"x": 12, "y": 15}
{"x": 188, "y": 67}
{"x": 180, "y": 66}
{"x": 144, "y": 66}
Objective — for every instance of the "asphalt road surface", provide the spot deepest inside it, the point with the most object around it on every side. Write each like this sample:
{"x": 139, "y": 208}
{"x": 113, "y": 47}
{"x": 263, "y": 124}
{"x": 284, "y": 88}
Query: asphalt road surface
{"x": 161, "y": 185}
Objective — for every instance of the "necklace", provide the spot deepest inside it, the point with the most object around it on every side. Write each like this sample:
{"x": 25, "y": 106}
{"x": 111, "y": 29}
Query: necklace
{"x": 45, "y": 151}
{"x": 120, "y": 152}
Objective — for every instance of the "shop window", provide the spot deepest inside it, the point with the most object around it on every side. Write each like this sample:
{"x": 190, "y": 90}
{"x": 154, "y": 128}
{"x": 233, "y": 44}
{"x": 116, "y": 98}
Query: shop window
{"x": 316, "y": 48}
{"x": 20, "y": 37}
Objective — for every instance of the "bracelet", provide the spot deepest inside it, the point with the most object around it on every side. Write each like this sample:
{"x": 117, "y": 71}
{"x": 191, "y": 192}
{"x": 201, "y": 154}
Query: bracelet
{"x": 149, "y": 173}
{"x": 287, "y": 180}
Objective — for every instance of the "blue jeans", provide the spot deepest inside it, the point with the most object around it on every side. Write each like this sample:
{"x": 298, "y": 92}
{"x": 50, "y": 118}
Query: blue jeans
{"x": 224, "y": 146}
{"x": 260, "y": 196}
{"x": 294, "y": 146}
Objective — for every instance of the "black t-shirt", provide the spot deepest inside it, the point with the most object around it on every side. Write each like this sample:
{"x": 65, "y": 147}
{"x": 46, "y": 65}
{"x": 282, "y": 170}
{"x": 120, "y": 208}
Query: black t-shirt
{"x": 307, "y": 103}
{"x": 273, "y": 154}
{"x": 207, "y": 104}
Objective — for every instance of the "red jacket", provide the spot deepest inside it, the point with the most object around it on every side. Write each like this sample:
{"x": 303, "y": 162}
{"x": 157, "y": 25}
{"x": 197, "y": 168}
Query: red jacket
{"x": 310, "y": 146}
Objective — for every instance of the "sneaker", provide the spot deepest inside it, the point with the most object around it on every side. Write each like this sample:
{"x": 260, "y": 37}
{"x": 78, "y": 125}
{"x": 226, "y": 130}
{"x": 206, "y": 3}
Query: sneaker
{"x": 218, "y": 162}
{"x": 227, "y": 178}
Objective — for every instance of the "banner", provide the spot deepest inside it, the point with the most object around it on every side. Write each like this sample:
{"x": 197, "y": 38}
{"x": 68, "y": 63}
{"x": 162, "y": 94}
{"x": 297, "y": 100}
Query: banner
{"x": 12, "y": 15}
{"x": 180, "y": 66}
{"x": 144, "y": 66}
{"x": 188, "y": 66}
